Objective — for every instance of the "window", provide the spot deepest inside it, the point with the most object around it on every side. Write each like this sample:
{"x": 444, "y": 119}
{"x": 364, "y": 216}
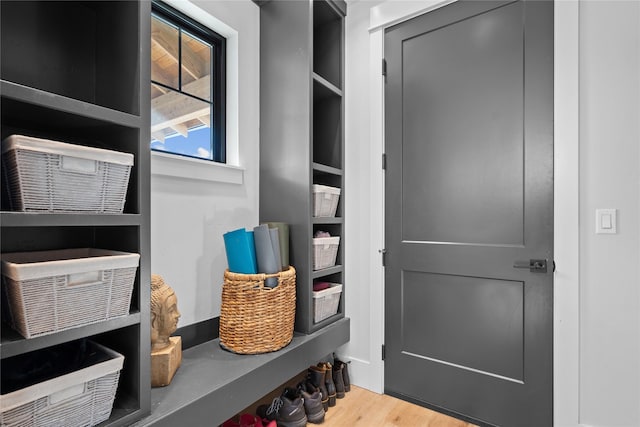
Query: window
{"x": 187, "y": 86}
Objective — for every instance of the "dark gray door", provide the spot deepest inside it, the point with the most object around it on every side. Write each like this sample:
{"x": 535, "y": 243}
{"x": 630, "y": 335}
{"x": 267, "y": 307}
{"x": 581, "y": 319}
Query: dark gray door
{"x": 469, "y": 211}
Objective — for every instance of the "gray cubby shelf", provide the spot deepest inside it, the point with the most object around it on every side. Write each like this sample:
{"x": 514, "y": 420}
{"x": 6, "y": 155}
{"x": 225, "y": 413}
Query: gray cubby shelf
{"x": 325, "y": 88}
{"x": 13, "y": 344}
{"x": 302, "y": 133}
{"x": 32, "y": 219}
{"x": 87, "y": 85}
{"x": 15, "y": 94}
{"x": 327, "y": 169}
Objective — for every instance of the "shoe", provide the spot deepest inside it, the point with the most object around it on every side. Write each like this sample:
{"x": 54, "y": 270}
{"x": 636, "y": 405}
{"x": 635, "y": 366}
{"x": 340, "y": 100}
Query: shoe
{"x": 269, "y": 411}
{"x": 313, "y": 407}
{"x": 285, "y": 411}
{"x": 338, "y": 381}
{"x": 312, "y": 401}
{"x": 291, "y": 413}
{"x": 328, "y": 382}
{"x": 250, "y": 420}
{"x": 345, "y": 373}
{"x": 230, "y": 423}
{"x": 315, "y": 379}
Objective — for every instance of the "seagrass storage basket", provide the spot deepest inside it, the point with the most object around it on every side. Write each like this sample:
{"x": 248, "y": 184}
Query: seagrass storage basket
{"x": 255, "y": 318}
{"x": 73, "y": 384}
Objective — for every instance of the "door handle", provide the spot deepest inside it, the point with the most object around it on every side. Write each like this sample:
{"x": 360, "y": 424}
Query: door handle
{"x": 534, "y": 265}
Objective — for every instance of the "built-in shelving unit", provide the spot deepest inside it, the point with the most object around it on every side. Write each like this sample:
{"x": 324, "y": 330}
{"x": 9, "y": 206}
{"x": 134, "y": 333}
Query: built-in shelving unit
{"x": 302, "y": 133}
{"x": 77, "y": 72}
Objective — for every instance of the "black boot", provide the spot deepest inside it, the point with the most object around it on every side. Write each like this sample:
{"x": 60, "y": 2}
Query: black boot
{"x": 338, "y": 381}
{"x": 316, "y": 377}
{"x": 345, "y": 373}
{"x": 328, "y": 382}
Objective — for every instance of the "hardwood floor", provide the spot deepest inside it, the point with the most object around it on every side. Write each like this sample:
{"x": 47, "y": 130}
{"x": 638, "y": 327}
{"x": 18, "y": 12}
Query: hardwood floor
{"x": 361, "y": 407}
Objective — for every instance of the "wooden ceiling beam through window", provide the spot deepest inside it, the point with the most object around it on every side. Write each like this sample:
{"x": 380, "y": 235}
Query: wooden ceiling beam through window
{"x": 174, "y": 108}
{"x": 164, "y": 39}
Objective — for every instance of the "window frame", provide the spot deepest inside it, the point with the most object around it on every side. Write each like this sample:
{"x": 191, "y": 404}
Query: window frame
{"x": 218, "y": 76}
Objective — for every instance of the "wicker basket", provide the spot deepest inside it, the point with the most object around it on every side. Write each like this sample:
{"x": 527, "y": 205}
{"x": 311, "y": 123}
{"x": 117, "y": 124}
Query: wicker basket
{"x": 83, "y": 397}
{"x": 254, "y": 318}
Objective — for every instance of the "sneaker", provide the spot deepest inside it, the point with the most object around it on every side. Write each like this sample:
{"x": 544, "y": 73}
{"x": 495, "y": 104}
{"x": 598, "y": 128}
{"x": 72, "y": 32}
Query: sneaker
{"x": 269, "y": 411}
{"x": 287, "y": 412}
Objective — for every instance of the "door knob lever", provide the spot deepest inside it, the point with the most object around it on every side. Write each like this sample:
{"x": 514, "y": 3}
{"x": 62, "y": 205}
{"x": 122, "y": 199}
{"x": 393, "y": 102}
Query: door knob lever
{"x": 534, "y": 265}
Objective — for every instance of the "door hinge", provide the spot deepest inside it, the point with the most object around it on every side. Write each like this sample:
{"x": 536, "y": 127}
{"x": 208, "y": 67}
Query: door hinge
{"x": 384, "y": 161}
{"x": 383, "y": 252}
{"x": 384, "y": 352}
{"x": 384, "y": 67}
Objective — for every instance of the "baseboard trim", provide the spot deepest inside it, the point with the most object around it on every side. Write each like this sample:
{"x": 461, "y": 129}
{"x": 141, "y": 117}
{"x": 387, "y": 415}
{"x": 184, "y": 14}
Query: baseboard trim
{"x": 198, "y": 333}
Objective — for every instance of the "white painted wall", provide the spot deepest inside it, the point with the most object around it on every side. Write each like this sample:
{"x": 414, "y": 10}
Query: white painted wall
{"x": 609, "y": 178}
{"x": 362, "y": 249}
{"x": 189, "y": 216}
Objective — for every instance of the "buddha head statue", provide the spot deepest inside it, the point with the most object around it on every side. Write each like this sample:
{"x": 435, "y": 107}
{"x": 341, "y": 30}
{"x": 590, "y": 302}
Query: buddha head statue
{"x": 164, "y": 312}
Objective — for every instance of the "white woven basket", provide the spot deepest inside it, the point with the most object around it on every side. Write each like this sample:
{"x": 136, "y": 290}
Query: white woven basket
{"x": 326, "y": 301}
{"x": 49, "y": 176}
{"x": 51, "y": 291}
{"x": 81, "y": 398}
{"x": 325, "y": 200}
{"x": 325, "y": 251}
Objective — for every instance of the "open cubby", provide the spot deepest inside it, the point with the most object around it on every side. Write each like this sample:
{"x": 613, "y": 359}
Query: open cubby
{"x": 21, "y": 117}
{"x": 327, "y": 127}
{"x": 327, "y": 42}
{"x": 84, "y": 50}
{"x": 329, "y": 179}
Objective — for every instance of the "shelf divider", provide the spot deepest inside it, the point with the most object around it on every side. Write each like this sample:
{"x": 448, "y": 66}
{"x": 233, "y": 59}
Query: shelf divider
{"x": 14, "y": 344}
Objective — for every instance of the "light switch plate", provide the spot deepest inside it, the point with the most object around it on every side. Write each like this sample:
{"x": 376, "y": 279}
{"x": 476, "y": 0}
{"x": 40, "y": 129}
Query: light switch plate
{"x": 606, "y": 221}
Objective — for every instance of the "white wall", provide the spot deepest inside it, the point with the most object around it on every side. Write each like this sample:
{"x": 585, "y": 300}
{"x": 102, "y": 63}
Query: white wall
{"x": 361, "y": 249}
{"x": 189, "y": 216}
{"x": 609, "y": 177}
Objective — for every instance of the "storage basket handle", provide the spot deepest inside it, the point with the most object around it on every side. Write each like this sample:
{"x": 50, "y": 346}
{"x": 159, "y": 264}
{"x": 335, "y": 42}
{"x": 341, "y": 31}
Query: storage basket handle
{"x": 67, "y": 393}
{"x": 84, "y": 279}
{"x": 76, "y": 164}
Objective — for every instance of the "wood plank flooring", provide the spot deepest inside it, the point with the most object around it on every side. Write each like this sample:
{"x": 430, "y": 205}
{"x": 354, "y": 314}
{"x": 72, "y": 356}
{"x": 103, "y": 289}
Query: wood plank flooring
{"x": 361, "y": 407}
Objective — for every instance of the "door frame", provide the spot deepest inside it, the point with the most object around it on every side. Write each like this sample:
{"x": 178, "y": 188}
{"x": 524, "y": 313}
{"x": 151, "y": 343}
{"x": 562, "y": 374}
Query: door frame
{"x": 566, "y": 192}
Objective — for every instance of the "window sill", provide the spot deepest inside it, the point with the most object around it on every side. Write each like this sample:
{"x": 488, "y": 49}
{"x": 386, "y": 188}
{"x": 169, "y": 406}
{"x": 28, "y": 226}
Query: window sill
{"x": 195, "y": 169}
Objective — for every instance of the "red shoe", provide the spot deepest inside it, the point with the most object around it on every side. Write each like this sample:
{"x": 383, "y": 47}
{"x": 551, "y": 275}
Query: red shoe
{"x": 250, "y": 420}
{"x": 230, "y": 423}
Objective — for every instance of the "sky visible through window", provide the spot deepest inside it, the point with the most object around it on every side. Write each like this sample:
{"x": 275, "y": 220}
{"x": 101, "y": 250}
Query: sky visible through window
{"x": 196, "y": 145}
